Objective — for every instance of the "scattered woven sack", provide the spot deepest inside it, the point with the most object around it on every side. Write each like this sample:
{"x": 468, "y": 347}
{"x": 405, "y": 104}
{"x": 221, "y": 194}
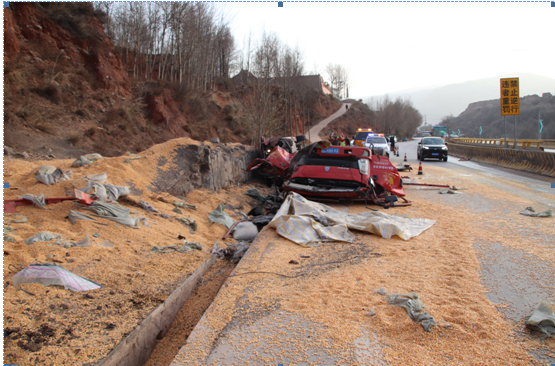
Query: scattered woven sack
{"x": 39, "y": 201}
{"x": 99, "y": 178}
{"x": 86, "y": 159}
{"x": 115, "y": 192}
{"x": 184, "y": 248}
{"x": 58, "y": 175}
{"x": 147, "y": 206}
{"x": 414, "y": 307}
{"x": 219, "y": 216}
{"x": 44, "y": 236}
{"x": 85, "y": 243}
{"x": 245, "y": 230}
{"x": 529, "y": 211}
{"x": 543, "y": 319}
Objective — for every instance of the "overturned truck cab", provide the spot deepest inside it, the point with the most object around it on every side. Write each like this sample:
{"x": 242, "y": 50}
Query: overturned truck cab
{"x": 322, "y": 172}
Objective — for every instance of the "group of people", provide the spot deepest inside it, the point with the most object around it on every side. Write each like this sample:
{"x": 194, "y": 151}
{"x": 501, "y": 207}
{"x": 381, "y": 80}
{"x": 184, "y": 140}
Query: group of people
{"x": 339, "y": 140}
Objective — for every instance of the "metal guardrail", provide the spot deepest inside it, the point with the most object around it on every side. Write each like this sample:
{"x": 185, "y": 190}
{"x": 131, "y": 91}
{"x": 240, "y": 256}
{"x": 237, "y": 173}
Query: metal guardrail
{"x": 510, "y": 142}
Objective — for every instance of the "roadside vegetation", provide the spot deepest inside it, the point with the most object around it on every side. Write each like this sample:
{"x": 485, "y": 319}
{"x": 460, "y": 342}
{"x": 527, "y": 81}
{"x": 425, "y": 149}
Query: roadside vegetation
{"x": 397, "y": 117}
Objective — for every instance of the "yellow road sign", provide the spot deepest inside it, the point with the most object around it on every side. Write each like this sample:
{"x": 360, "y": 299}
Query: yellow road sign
{"x": 510, "y": 97}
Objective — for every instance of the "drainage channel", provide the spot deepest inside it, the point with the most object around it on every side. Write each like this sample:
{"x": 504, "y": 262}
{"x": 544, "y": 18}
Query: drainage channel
{"x": 158, "y": 338}
{"x": 202, "y": 296}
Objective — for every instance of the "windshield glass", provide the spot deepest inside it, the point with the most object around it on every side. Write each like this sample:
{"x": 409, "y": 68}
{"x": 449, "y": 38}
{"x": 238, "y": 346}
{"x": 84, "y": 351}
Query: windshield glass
{"x": 361, "y": 135}
{"x": 376, "y": 140}
{"x": 433, "y": 141}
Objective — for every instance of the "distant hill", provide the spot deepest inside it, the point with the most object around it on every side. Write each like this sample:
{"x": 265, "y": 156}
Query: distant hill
{"x": 437, "y": 102}
{"x": 487, "y": 115}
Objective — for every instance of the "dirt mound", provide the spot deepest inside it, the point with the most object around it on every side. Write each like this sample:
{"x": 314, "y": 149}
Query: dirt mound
{"x": 85, "y": 326}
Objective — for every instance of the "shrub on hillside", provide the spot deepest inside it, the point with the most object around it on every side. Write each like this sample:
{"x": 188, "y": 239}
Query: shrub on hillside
{"x": 50, "y": 91}
{"x": 225, "y": 83}
{"x": 70, "y": 16}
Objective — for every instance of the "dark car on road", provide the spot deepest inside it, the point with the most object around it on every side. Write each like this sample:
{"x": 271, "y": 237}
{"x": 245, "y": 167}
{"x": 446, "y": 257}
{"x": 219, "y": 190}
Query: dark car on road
{"x": 432, "y": 148}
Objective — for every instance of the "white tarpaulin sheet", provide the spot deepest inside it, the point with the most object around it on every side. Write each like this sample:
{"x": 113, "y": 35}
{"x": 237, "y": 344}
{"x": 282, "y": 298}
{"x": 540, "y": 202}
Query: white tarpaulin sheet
{"x": 51, "y": 274}
{"x": 307, "y": 223}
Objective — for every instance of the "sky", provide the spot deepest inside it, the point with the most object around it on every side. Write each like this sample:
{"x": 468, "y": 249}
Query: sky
{"x": 390, "y": 47}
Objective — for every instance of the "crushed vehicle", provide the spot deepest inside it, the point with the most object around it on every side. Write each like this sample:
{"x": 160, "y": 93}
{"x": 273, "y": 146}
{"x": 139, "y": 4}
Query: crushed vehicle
{"x": 322, "y": 172}
{"x": 289, "y": 144}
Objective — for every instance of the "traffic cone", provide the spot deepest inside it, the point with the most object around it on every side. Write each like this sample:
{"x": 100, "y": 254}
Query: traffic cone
{"x": 397, "y": 152}
{"x": 420, "y": 169}
{"x": 405, "y": 156}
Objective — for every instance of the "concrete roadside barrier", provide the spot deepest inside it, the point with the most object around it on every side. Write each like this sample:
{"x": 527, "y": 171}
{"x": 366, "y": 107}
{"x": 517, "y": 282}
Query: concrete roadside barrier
{"x": 531, "y": 161}
{"x": 135, "y": 349}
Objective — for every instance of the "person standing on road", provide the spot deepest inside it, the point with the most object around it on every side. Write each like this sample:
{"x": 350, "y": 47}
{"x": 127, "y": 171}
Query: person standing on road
{"x": 341, "y": 140}
{"x": 392, "y": 142}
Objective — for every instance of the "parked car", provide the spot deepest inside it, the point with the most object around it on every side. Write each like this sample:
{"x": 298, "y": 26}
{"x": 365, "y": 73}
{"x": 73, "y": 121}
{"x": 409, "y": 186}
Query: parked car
{"x": 378, "y": 144}
{"x": 432, "y": 148}
{"x": 404, "y": 139}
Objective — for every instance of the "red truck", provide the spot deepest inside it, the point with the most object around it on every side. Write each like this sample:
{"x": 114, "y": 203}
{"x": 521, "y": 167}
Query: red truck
{"x": 335, "y": 173}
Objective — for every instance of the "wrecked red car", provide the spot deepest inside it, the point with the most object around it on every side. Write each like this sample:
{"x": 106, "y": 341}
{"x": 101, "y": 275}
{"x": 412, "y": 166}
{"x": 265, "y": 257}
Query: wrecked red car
{"x": 289, "y": 144}
{"x": 335, "y": 173}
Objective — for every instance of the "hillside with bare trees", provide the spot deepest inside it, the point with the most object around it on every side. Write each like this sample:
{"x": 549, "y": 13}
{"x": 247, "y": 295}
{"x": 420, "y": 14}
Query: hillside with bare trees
{"x": 120, "y": 77}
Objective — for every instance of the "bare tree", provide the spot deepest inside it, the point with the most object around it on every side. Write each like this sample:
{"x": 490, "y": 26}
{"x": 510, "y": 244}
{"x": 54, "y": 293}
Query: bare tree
{"x": 397, "y": 117}
{"x": 186, "y": 42}
{"x": 338, "y": 77}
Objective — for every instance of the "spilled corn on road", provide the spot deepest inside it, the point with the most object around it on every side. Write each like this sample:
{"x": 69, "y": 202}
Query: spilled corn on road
{"x": 480, "y": 271}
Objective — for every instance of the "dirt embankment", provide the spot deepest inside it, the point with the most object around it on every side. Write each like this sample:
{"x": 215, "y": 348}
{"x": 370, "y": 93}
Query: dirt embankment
{"x": 67, "y": 92}
{"x": 358, "y": 116}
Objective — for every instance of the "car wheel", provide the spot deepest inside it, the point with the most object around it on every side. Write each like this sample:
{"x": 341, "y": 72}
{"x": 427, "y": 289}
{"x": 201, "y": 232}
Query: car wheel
{"x": 445, "y": 158}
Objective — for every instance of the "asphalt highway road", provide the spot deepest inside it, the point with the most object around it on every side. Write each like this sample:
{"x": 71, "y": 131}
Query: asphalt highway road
{"x": 481, "y": 270}
{"x": 535, "y": 182}
{"x": 518, "y": 280}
